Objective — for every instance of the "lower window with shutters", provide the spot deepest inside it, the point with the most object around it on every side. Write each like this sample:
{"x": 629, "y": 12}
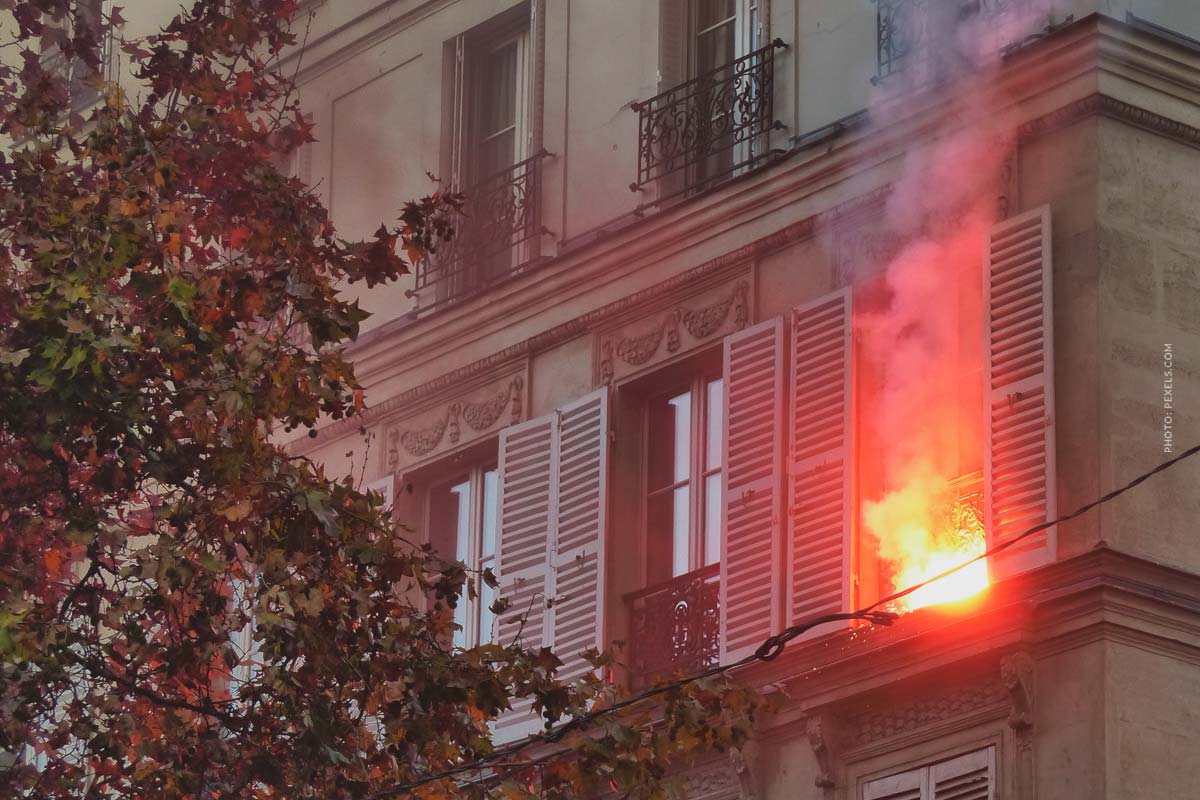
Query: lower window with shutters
{"x": 971, "y": 776}
{"x": 674, "y": 622}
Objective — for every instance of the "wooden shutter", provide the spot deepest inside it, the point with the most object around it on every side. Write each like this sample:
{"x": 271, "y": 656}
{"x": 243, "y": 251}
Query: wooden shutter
{"x": 526, "y": 520}
{"x": 968, "y": 777}
{"x": 581, "y": 454}
{"x": 752, "y": 552}
{"x": 911, "y": 785}
{"x": 820, "y": 537}
{"x": 1019, "y": 469}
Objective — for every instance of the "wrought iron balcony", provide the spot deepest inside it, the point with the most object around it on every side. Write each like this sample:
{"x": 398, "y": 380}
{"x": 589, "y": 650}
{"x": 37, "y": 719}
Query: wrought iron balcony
{"x": 710, "y": 127}
{"x": 675, "y": 625}
{"x": 922, "y": 37}
{"x": 500, "y": 216}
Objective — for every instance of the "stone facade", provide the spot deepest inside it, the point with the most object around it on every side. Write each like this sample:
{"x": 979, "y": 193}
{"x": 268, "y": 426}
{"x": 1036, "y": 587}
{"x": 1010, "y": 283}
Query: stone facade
{"x": 1083, "y": 676}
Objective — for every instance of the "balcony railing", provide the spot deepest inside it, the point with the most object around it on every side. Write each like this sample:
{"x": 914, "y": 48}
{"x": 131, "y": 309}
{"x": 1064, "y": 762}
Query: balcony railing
{"x": 500, "y": 216}
{"x": 711, "y": 126}
{"x": 676, "y": 625}
{"x": 923, "y": 37}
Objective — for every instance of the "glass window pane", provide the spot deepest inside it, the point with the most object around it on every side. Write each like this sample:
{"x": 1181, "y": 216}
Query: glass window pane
{"x": 710, "y": 12}
{"x": 491, "y": 505}
{"x": 681, "y": 548}
{"x": 498, "y": 100}
{"x": 670, "y": 440}
{"x": 669, "y": 545}
{"x": 715, "y": 409}
{"x": 462, "y": 540}
{"x": 712, "y": 519}
{"x": 448, "y": 517}
{"x": 487, "y": 596}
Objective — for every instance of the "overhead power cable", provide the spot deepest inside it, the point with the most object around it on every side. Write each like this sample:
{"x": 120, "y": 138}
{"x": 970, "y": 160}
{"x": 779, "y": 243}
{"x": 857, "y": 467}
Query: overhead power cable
{"x": 773, "y": 646}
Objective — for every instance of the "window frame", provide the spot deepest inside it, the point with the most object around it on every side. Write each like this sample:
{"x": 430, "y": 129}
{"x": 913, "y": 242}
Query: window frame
{"x": 471, "y": 469}
{"x": 695, "y": 382}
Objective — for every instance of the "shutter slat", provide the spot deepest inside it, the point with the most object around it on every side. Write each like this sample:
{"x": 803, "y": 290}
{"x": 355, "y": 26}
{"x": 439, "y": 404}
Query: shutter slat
{"x": 752, "y": 551}
{"x": 1019, "y": 468}
{"x": 820, "y": 491}
{"x": 968, "y": 777}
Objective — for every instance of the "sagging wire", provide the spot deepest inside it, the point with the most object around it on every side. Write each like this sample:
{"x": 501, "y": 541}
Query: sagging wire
{"x": 772, "y": 647}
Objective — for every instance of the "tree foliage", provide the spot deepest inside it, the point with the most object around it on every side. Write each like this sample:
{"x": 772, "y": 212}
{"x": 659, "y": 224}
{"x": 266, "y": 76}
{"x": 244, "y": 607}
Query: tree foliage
{"x": 169, "y": 306}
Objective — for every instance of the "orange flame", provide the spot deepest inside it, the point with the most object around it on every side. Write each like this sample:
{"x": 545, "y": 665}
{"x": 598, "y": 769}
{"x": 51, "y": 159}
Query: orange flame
{"x": 923, "y": 530}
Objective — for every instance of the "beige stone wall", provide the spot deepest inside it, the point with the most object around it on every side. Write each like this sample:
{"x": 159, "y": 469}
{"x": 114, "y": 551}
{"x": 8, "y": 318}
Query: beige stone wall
{"x": 1148, "y": 295}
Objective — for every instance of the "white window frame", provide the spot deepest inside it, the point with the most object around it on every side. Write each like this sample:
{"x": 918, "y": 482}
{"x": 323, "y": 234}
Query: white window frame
{"x": 698, "y": 471}
{"x": 470, "y": 612}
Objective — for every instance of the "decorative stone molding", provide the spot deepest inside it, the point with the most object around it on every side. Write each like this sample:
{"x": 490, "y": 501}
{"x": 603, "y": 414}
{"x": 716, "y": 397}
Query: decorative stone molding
{"x": 1016, "y": 671}
{"x": 442, "y": 428}
{"x": 871, "y": 727}
{"x": 820, "y": 730}
{"x": 715, "y": 780}
{"x": 627, "y": 349}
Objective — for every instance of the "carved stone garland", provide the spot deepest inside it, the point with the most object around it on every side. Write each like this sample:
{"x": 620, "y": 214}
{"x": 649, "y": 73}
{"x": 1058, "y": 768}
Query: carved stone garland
{"x": 478, "y": 416}
{"x": 699, "y": 323}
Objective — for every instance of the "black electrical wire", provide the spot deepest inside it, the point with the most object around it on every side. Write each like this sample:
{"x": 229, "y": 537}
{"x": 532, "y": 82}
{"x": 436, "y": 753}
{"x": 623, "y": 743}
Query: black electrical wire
{"x": 773, "y": 646}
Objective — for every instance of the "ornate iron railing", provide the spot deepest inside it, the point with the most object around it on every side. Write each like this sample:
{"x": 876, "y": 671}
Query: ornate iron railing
{"x": 500, "y": 214}
{"x": 712, "y": 126}
{"x": 675, "y": 625}
{"x": 922, "y": 36}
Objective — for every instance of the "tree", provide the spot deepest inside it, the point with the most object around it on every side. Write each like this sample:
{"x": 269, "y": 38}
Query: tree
{"x": 168, "y": 305}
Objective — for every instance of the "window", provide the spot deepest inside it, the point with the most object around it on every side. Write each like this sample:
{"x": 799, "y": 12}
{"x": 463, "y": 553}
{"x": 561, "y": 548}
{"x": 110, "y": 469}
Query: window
{"x": 84, "y": 20}
{"x": 462, "y": 525}
{"x": 683, "y": 478}
{"x": 968, "y": 777}
{"x": 713, "y": 114}
{"x": 492, "y": 155}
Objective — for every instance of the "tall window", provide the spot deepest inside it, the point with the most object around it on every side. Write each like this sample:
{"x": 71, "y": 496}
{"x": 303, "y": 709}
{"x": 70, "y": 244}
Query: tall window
{"x": 684, "y": 457}
{"x": 462, "y": 525}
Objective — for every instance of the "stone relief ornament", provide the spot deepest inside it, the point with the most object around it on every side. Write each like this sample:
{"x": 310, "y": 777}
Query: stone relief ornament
{"x": 700, "y": 323}
{"x": 819, "y": 728}
{"x": 872, "y": 727}
{"x": 479, "y": 416}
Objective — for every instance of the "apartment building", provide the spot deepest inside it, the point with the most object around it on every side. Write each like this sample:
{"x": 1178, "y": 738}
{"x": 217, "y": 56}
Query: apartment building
{"x": 765, "y": 309}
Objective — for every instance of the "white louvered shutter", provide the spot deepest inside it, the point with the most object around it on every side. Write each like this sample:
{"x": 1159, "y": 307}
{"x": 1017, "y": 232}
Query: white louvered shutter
{"x": 672, "y": 43}
{"x": 911, "y": 785}
{"x": 1019, "y": 471}
{"x": 968, "y": 777}
{"x": 820, "y": 541}
{"x": 526, "y": 521}
{"x": 752, "y": 552}
{"x": 578, "y": 558}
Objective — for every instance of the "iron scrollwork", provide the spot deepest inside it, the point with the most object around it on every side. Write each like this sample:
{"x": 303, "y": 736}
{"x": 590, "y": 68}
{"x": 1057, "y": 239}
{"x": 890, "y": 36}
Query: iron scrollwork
{"x": 676, "y": 625}
{"x": 498, "y": 214}
{"x": 713, "y": 124}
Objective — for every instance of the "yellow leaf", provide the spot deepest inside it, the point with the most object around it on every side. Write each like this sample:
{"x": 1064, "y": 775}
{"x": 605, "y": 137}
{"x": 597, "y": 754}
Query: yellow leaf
{"x": 237, "y": 512}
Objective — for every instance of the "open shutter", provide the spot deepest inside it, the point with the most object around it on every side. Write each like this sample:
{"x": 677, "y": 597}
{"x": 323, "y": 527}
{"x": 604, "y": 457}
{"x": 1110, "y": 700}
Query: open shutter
{"x": 527, "y": 479}
{"x": 752, "y": 552}
{"x": 1019, "y": 470}
{"x": 578, "y": 557}
{"x": 968, "y": 777}
{"x": 911, "y": 785}
{"x": 820, "y": 540}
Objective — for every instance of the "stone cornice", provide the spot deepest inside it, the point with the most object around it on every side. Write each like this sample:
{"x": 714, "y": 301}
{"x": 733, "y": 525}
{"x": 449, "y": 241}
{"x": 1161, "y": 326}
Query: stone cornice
{"x": 1100, "y": 595}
